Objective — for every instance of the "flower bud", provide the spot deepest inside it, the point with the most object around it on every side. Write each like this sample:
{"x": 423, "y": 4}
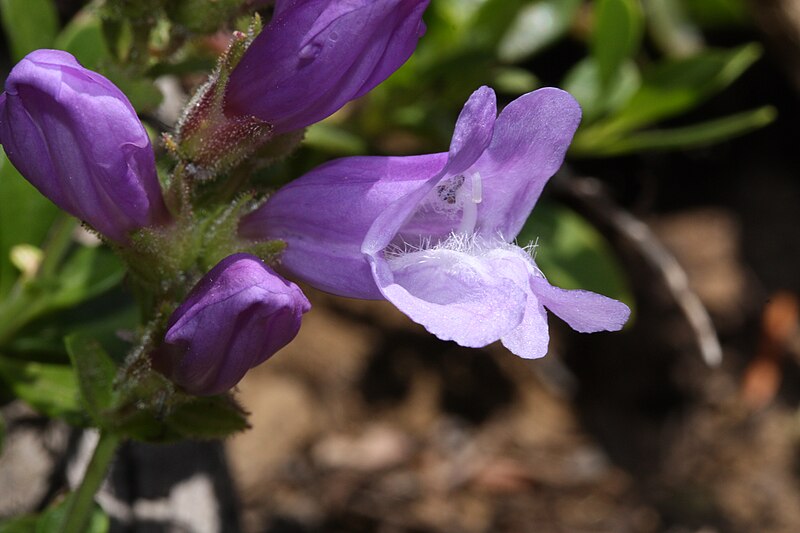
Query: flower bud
{"x": 316, "y": 55}
{"x": 235, "y": 318}
{"x": 75, "y": 136}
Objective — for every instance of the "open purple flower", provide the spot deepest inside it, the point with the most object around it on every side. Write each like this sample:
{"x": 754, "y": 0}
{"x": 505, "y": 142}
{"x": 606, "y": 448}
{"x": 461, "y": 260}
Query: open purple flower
{"x": 76, "y": 138}
{"x": 235, "y": 318}
{"x": 432, "y": 233}
{"x": 316, "y": 55}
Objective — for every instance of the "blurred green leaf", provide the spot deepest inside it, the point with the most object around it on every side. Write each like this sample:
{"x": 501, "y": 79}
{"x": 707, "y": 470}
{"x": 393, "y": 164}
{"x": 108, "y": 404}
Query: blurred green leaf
{"x": 141, "y": 91}
{"x": 333, "y": 139}
{"x": 25, "y": 217}
{"x": 50, "y": 389}
{"x": 671, "y": 29}
{"x": 95, "y": 372}
{"x": 29, "y": 25}
{"x": 514, "y": 81}
{"x": 676, "y": 86}
{"x": 617, "y": 32}
{"x": 573, "y": 254}
{"x": 718, "y": 13}
{"x": 83, "y": 38}
{"x": 89, "y": 271}
{"x": 491, "y": 21}
{"x": 696, "y": 135}
{"x": 536, "y": 26}
{"x": 583, "y": 82}
{"x": 99, "y": 318}
{"x": 19, "y": 524}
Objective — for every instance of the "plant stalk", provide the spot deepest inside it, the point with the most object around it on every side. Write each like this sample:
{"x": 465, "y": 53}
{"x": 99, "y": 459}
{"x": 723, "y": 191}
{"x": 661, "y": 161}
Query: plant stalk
{"x": 81, "y": 502}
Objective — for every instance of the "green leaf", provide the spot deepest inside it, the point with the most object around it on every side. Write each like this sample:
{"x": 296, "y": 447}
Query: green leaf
{"x": 696, "y": 135}
{"x": 616, "y": 36}
{"x": 50, "y": 389}
{"x": 142, "y": 93}
{"x": 53, "y": 518}
{"x": 573, "y": 254}
{"x": 89, "y": 271}
{"x": 100, "y": 318}
{"x": 676, "y": 86}
{"x": 536, "y": 26}
{"x": 83, "y": 38}
{"x": 29, "y": 25}
{"x": 671, "y": 30}
{"x": 583, "y": 82}
{"x": 333, "y": 139}
{"x": 515, "y": 81}
{"x": 489, "y": 23}
{"x": 208, "y": 418}
{"x": 25, "y": 218}
{"x": 719, "y": 13}
{"x": 95, "y": 372}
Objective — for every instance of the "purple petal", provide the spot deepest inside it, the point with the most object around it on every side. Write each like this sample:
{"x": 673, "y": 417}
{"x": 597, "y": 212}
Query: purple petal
{"x": 325, "y": 215}
{"x": 76, "y": 138}
{"x": 531, "y": 137}
{"x": 473, "y": 130}
{"x": 316, "y": 55}
{"x": 473, "y": 133}
{"x": 236, "y": 317}
{"x": 584, "y": 311}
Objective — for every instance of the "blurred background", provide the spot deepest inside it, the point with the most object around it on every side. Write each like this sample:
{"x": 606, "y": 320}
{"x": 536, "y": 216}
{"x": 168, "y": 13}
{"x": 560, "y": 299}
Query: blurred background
{"x": 679, "y": 196}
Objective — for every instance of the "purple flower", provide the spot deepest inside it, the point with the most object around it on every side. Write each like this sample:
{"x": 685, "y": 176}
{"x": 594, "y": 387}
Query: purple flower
{"x": 432, "y": 233}
{"x": 317, "y": 55}
{"x": 76, "y": 138}
{"x": 235, "y": 318}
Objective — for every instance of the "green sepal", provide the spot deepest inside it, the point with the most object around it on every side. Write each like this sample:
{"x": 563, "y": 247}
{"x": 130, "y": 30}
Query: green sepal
{"x": 208, "y": 139}
{"x": 208, "y": 417}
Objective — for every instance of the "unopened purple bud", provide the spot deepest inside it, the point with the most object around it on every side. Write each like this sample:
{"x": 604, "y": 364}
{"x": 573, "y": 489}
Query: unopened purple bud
{"x": 317, "y": 55}
{"x": 235, "y": 318}
{"x": 75, "y": 136}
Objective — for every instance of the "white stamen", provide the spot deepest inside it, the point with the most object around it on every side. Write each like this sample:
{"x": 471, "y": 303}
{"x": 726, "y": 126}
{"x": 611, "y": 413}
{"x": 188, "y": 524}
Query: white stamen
{"x": 469, "y": 207}
{"x": 477, "y": 188}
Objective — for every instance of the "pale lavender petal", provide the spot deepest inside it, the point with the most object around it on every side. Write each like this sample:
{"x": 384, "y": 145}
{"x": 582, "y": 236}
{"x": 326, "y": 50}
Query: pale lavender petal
{"x": 584, "y": 311}
{"x": 531, "y": 137}
{"x": 531, "y": 338}
{"x": 453, "y": 295}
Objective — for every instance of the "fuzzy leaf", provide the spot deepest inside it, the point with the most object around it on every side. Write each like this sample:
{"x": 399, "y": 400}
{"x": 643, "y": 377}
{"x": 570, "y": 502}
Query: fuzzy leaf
{"x": 95, "y": 373}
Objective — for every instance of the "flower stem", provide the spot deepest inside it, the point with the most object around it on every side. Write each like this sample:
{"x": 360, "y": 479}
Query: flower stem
{"x": 81, "y": 502}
